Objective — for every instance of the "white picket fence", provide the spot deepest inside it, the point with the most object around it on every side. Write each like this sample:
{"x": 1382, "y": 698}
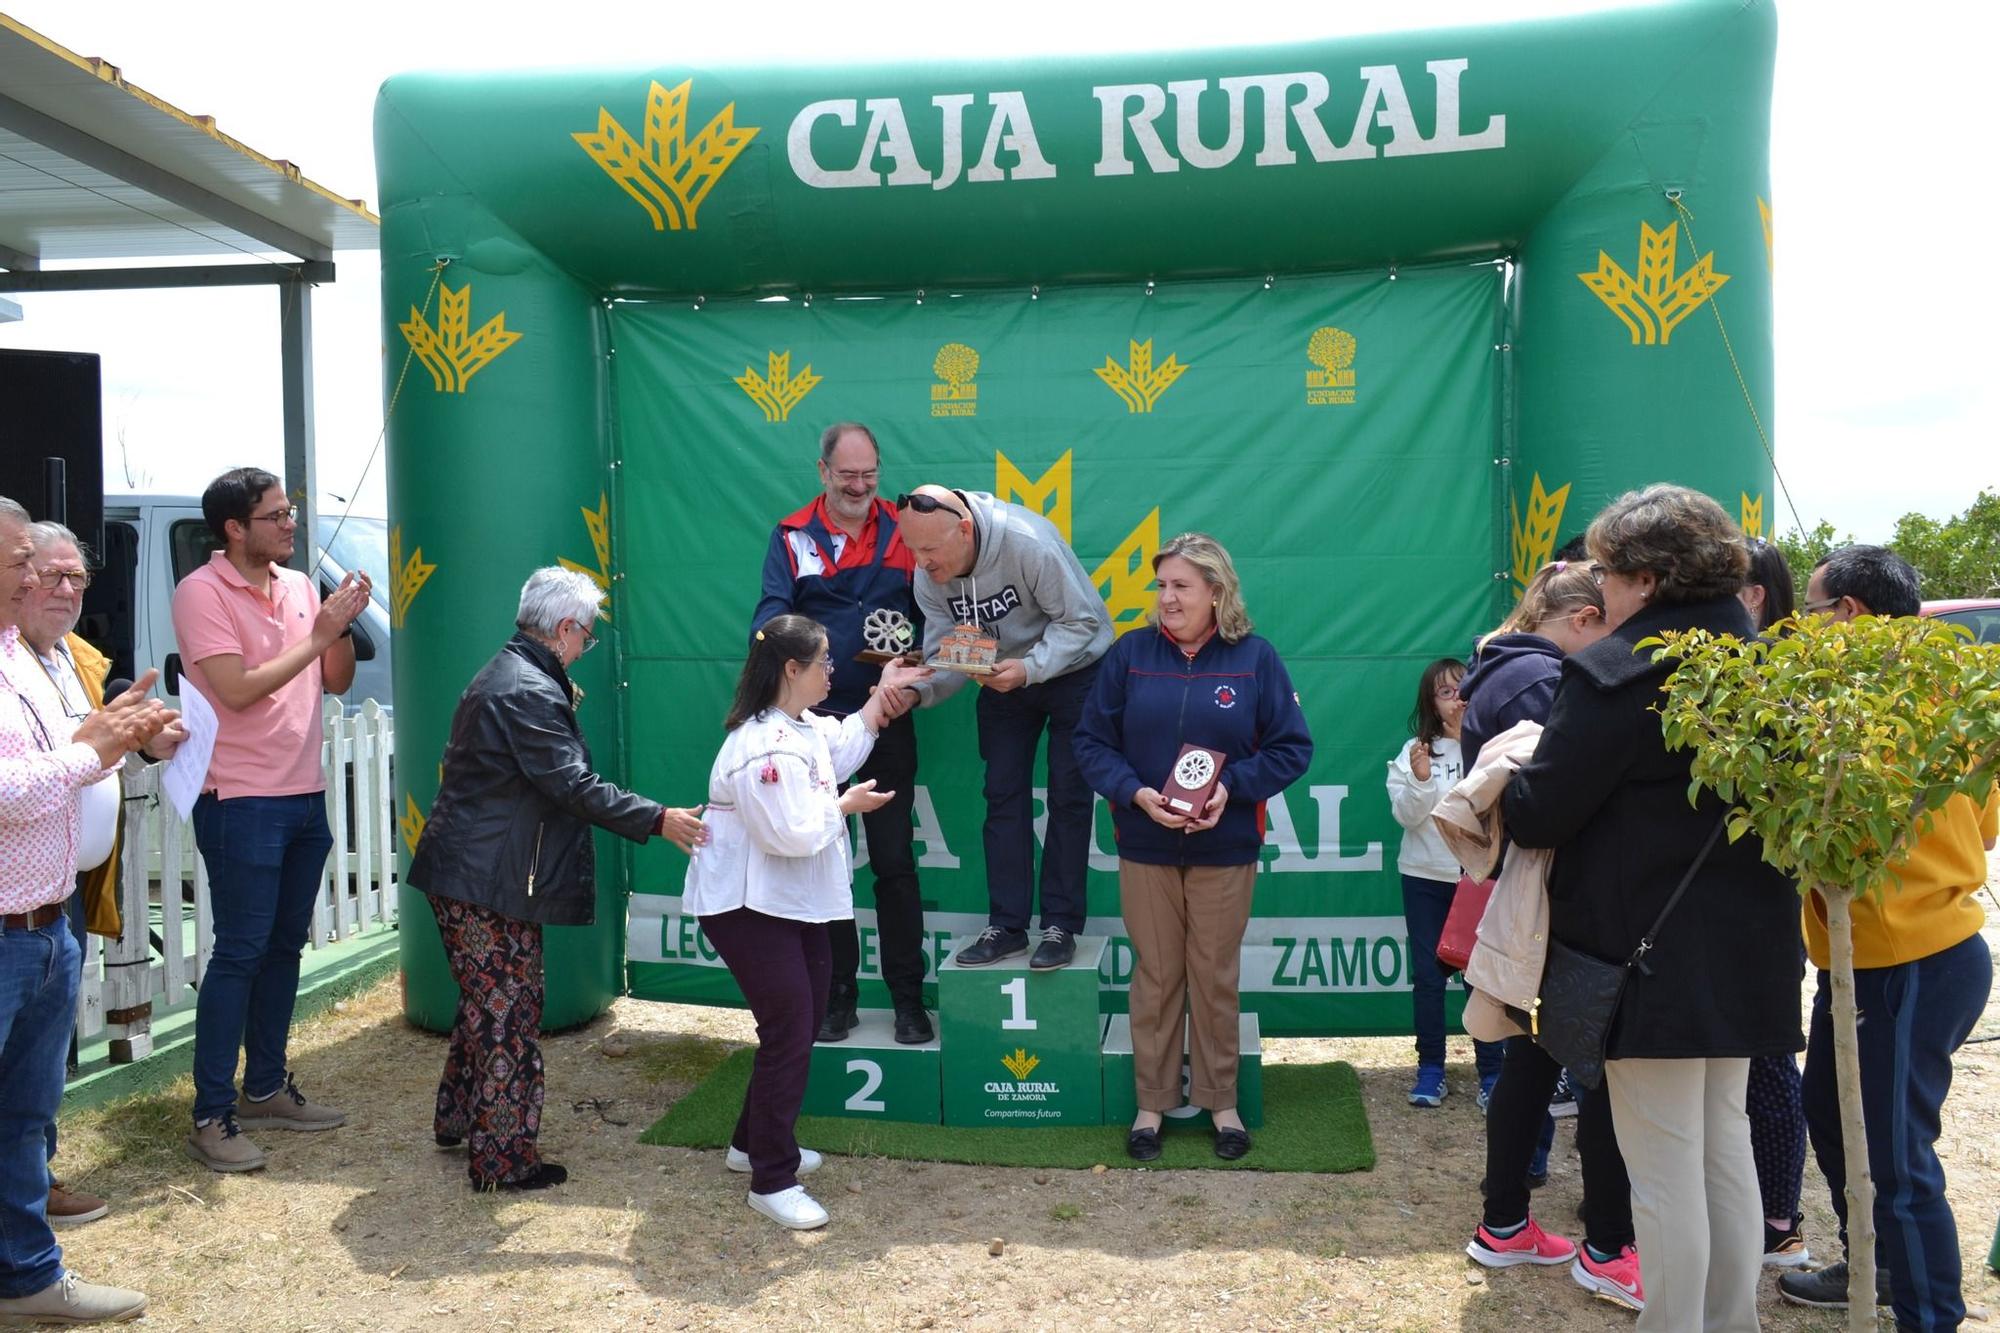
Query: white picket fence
{"x": 168, "y": 935}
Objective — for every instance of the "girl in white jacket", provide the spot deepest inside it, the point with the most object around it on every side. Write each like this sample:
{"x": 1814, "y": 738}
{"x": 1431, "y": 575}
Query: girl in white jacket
{"x": 1419, "y": 776}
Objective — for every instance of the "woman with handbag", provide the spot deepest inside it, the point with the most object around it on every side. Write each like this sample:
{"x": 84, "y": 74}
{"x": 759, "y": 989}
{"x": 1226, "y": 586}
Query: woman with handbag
{"x": 1419, "y": 776}
{"x": 1673, "y": 954}
{"x": 1513, "y": 679}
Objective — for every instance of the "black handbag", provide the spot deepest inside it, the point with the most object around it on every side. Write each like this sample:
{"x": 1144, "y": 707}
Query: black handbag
{"x": 1580, "y": 992}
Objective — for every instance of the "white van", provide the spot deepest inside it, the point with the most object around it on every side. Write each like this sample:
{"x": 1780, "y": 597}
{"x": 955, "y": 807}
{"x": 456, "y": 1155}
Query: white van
{"x": 152, "y": 542}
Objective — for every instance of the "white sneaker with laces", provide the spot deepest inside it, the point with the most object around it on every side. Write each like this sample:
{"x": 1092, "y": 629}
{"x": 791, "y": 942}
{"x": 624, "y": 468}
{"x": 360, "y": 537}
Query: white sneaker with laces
{"x": 792, "y": 1208}
{"x": 70, "y": 1300}
{"x": 809, "y": 1161}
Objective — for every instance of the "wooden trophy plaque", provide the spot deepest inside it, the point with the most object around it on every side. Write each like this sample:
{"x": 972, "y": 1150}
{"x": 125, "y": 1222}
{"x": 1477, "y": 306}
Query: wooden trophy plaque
{"x": 1193, "y": 780}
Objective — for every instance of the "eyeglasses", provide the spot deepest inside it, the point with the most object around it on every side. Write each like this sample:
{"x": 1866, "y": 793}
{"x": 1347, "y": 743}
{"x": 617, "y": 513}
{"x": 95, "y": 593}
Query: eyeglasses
{"x": 924, "y": 504}
{"x": 1597, "y": 573}
{"x": 826, "y": 664}
{"x": 1823, "y": 604}
{"x": 289, "y": 514}
{"x": 589, "y": 639}
{"x": 868, "y": 478}
{"x": 76, "y": 578}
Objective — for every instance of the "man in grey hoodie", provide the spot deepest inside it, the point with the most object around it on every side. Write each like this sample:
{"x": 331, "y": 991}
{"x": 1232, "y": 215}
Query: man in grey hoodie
{"x": 1008, "y": 572}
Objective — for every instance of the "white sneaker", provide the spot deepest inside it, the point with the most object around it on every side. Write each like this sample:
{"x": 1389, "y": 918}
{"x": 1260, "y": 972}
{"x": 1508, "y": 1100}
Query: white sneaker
{"x": 808, "y": 1161}
{"x": 792, "y": 1208}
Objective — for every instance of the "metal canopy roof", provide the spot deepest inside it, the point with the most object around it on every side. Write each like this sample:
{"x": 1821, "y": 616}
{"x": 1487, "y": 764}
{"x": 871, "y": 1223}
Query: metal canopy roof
{"x": 92, "y": 167}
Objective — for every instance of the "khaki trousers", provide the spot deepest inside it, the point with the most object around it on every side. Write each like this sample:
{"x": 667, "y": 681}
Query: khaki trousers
{"x": 1695, "y": 1208}
{"x": 1186, "y": 925}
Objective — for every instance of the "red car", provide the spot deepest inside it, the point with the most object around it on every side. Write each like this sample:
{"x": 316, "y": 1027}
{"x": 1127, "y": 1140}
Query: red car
{"x": 1981, "y": 615}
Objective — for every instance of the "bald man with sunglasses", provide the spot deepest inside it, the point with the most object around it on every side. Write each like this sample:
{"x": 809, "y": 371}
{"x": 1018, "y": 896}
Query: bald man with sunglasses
{"x": 1006, "y": 572}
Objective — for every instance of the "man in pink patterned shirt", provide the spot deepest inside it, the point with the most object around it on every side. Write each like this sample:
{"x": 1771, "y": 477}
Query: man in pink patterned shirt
{"x": 41, "y": 782}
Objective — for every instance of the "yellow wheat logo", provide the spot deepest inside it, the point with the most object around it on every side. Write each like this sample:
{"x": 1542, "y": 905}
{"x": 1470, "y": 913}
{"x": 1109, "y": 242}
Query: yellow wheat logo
{"x": 1753, "y": 516}
{"x": 1141, "y": 383}
{"x": 776, "y": 391}
{"x": 669, "y": 176}
{"x": 406, "y": 577}
{"x": 598, "y": 522}
{"x": 1534, "y": 541}
{"x": 1332, "y": 350}
{"x": 1770, "y": 250}
{"x": 1047, "y": 496}
{"x": 412, "y": 823}
{"x": 450, "y": 352}
{"x": 957, "y": 395}
{"x": 1020, "y": 1064}
{"x": 1657, "y": 300}
{"x": 1125, "y": 578}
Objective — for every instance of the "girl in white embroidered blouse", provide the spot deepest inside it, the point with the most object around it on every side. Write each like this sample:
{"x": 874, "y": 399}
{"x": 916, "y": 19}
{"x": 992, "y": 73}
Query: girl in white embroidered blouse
{"x": 775, "y": 870}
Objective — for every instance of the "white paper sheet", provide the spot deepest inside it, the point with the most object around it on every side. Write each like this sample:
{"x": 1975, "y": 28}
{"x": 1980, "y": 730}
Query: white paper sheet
{"x": 188, "y": 769}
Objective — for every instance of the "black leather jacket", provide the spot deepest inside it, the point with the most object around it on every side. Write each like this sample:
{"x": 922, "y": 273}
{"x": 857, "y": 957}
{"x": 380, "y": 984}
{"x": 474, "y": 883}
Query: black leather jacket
{"x": 510, "y": 829}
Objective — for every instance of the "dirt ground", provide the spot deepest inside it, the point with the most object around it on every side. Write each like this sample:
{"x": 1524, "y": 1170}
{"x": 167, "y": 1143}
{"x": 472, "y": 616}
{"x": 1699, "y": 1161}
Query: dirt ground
{"x": 372, "y": 1228}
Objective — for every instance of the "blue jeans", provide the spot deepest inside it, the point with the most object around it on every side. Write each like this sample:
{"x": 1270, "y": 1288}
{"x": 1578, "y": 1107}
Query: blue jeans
{"x": 1426, "y": 904}
{"x": 1010, "y": 730}
{"x": 1913, "y": 1017}
{"x": 38, "y": 980}
{"x": 265, "y": 855}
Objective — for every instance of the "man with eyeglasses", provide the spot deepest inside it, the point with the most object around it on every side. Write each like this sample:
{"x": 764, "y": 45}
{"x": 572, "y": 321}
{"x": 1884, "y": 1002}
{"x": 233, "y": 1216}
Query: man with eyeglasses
{"x": 1006, "y": 571}
{"x": 837, "y": 561}
{"x": 46, "y": 761}
{"x": 78, "y": 671}
{"x": 261, "y": 648}
{"x": 1922, "y": 977}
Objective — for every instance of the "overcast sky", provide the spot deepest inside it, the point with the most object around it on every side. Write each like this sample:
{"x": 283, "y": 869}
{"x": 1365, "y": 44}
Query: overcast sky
{"x": 1886, "y": 390}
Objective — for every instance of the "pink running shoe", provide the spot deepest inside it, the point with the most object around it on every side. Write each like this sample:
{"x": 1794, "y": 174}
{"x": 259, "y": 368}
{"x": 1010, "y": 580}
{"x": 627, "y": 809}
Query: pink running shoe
{"x": 1616, "y": 1280}
{"x": 1529, "y": 1245}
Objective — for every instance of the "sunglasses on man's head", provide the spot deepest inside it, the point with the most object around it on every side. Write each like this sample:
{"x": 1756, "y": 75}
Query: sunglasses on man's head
{"x": 924, "y": 504}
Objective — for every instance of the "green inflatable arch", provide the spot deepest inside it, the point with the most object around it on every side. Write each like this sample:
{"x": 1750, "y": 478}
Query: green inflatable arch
{"x": 1390, "y": 316}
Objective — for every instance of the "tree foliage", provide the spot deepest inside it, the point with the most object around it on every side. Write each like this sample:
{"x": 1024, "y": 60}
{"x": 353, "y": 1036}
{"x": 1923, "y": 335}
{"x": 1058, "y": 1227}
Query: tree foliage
{"x": 1956, "y": 557}
{"x": 1833, "y": 741}
{"x": 1959, "y": 557}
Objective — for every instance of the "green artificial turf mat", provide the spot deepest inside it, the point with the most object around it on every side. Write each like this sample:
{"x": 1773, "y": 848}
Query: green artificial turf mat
{"x": 1313, "y": 1121}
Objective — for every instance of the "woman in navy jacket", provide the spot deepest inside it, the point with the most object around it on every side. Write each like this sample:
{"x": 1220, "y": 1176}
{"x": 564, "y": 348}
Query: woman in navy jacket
{"x": 1198, "y": 676}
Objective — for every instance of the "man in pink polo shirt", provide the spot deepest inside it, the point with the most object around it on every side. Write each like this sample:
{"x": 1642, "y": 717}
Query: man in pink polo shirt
{"x": 260, "y": 647}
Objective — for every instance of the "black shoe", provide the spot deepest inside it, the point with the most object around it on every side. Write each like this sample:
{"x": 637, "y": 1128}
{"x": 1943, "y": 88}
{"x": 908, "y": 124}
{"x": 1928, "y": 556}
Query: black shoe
{"x": 993, "y": 944}
{"x": 1057, "y": 949}
{"x": 450, "y": 1140}
{"x": 1826, "y": 1289}
{"x": 1231, "y": 1144}
{"x": 840, "y": 1018}
{"x": 913, "y": 1027}
{"x": 541, "y": 1178}
{"x": 1143, "y": 1145}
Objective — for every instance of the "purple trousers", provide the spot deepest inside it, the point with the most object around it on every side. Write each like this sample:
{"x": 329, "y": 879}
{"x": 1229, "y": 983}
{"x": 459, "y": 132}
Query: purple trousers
{"x": 783, "y": 967}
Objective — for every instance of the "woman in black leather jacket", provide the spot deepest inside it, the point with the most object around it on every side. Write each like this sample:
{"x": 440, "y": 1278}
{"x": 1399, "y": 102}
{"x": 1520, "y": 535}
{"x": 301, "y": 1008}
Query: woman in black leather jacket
{"x": 506, "y": 851}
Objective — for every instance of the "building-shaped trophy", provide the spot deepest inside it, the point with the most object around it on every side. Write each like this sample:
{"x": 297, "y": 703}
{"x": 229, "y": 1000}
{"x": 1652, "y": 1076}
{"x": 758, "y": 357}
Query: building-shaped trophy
{"x": 967, "y": 648}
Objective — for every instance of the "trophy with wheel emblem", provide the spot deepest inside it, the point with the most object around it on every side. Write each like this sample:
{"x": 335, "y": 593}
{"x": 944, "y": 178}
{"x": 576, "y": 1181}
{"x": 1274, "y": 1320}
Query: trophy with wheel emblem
{"x": 1193, "y": 780}
{"x": 889, "y": 637}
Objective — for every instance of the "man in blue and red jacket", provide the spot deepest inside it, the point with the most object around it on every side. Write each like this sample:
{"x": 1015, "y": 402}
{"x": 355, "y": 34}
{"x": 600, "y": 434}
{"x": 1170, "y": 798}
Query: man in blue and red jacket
{"x": 837, "y": 560}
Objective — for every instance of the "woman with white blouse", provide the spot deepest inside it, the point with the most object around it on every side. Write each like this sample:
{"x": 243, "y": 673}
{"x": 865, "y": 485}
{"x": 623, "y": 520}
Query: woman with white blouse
{"x": 775, "y": 871}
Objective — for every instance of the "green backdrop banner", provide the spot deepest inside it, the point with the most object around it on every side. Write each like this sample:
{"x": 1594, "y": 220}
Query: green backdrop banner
{"x": 1337, "y": 433}
{"x": 1391, "y": 315}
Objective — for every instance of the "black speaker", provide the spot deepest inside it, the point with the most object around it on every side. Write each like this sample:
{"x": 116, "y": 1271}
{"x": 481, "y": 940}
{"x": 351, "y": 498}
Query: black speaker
{"x": 52, "y": 407}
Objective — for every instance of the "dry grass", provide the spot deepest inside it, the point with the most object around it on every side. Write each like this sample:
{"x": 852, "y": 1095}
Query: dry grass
{"x": 372, "y": 1228}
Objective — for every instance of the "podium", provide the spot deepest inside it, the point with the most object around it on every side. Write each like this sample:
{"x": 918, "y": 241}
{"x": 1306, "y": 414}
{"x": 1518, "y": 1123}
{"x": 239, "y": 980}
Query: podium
{"x": 1121, "y": 1101}
{"x": 870, "y": 1077}
{"x": 1022, "y": 1047}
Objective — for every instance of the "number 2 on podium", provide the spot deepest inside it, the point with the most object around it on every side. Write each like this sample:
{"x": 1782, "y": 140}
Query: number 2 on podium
{"x": 1017, "y": 991}
{"x": 864, "y": 1098}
